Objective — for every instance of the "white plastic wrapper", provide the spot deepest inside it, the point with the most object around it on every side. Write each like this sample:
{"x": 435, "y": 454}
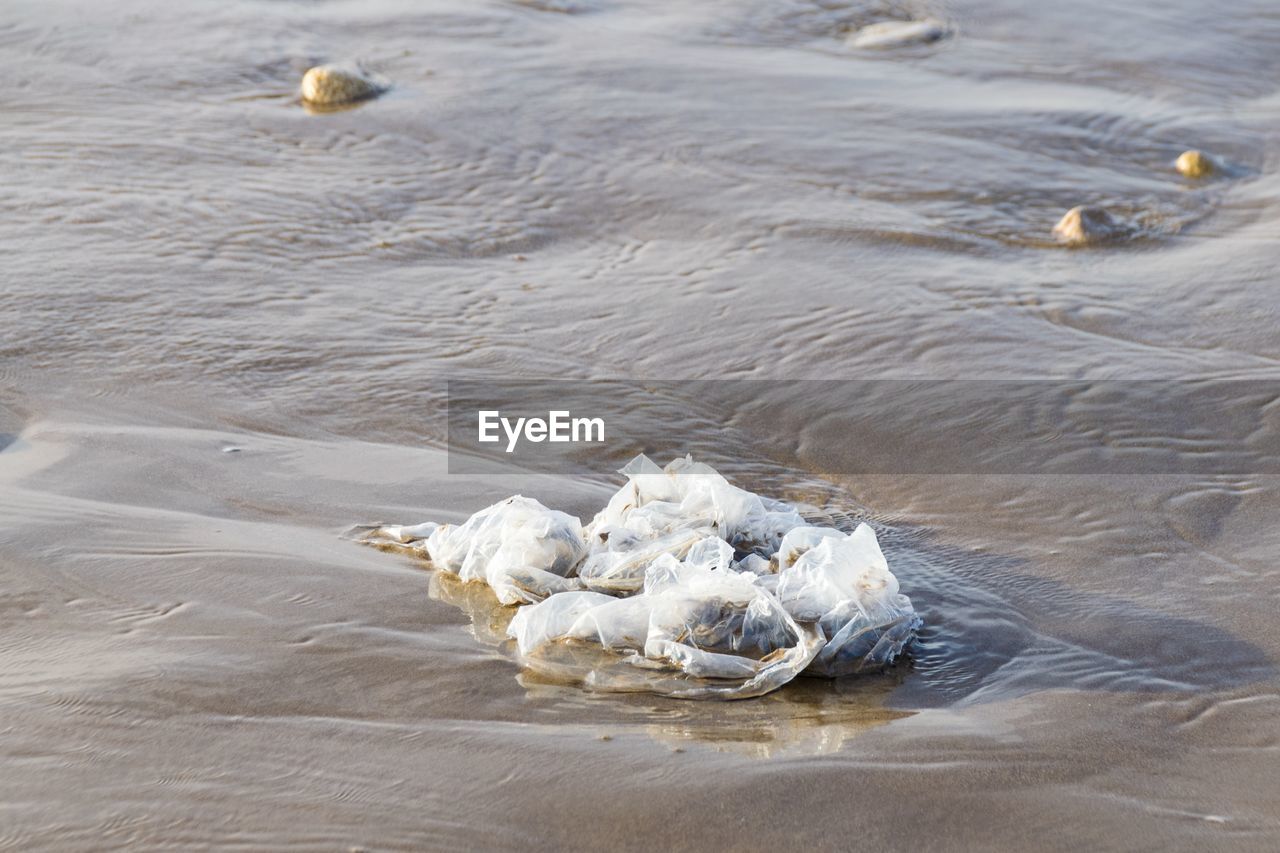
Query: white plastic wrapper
{"x": 618, "y": 563}
{"x": 523, "y": 550}
{"x": 799, "y": 540}
{"x": 697, "y": 632}
{"x": 686, "y": 494}
{"x": 684, "y": 585}
{"x": 844, "y": 584}
{"x": 538, "y": 624}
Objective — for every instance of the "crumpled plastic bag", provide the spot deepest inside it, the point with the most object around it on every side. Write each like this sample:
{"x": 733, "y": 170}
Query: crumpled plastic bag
{"x": 727, "y": 636}
{"x": 684, "y": 585}
{"x": 618, "y": 564}
{"x": 843, "y": 583}
{"x": 657, "y": 501}
{"x": 523, "y": 550}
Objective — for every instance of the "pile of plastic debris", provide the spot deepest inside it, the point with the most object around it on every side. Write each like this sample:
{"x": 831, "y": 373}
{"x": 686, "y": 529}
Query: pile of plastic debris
{"x": 690, "y": 585}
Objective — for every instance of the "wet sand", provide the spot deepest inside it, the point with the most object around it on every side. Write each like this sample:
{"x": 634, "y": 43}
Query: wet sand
{"x": 227, "y": 325}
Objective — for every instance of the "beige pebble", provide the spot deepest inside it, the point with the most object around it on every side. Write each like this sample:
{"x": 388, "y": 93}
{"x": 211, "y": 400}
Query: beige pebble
{"x": 1193, "y": 164}
{"x": 1084, "y": 225}
{"x": 898, "y": 33}
{"x": 334, "y": 85}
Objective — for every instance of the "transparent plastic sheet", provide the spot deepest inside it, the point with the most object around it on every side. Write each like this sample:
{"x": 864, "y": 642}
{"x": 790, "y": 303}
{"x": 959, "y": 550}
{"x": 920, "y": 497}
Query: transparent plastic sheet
{"x": 686, "y": 494}
{"x": 683, "y": 585}
{"x": 694, "y": 632}
{"x": 619, "y": 563}
{"x": 517, "y": 546}
{"x": 843, "y": 583}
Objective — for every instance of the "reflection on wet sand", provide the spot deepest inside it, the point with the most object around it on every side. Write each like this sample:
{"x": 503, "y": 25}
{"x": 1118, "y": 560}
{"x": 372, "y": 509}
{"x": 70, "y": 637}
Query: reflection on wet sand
{"x": 806, "y": 718}
{"x": 489, "y": 617}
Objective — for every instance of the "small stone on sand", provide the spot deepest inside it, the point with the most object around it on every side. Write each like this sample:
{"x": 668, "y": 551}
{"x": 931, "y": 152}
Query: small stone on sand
{"x": 334, "y": 85}
{"x": 1084, "y": 225}
{"x": 898, "y": 33}
{"x": 1193, "y": 164}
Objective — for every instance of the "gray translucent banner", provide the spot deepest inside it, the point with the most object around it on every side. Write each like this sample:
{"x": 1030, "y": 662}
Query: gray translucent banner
{"x": 1066, "y": 427}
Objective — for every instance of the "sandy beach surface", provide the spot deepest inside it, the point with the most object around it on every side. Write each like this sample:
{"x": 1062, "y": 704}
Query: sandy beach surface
{"x": 226, "y": 324}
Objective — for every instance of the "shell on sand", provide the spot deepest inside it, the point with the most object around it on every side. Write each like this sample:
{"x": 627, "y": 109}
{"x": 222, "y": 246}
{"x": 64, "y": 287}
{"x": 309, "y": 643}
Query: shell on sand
{"x": 338, "y": 84}
{"x": 1081, "y": 226}
{"x": 898, "y": 33}
{"x": 1194, "y": 164}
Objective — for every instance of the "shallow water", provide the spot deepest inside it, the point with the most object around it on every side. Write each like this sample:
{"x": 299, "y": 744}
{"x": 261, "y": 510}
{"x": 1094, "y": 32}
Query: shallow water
{"x": 227, "y": 324}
